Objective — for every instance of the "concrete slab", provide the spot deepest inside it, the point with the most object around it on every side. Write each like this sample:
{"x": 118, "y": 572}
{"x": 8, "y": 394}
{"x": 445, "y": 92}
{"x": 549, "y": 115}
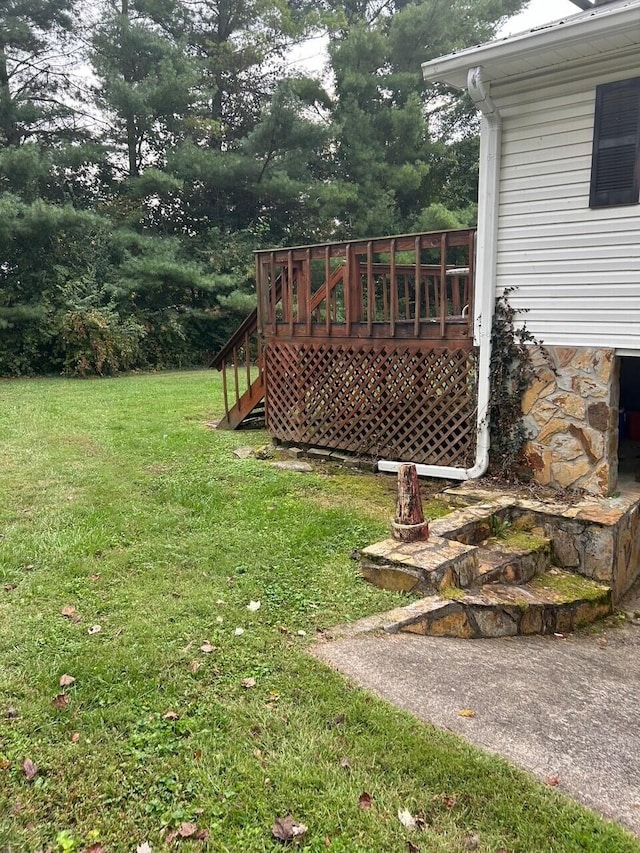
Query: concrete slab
{"x": 553, "y": 706}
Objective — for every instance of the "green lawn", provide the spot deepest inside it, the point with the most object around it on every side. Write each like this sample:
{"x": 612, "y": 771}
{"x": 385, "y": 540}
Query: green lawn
{"x": 118, "y": 501}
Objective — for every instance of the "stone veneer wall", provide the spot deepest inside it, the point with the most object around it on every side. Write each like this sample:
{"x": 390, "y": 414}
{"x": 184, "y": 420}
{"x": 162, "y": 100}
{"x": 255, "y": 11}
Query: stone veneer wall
{"x": 571, "y": 415}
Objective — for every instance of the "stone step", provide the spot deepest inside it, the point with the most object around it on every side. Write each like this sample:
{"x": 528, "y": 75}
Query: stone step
{"x": 554, "y": 603}
{"x": 513, "y": 564}
{"x": 428, "y": 567}
{"x": 423, "y": 567}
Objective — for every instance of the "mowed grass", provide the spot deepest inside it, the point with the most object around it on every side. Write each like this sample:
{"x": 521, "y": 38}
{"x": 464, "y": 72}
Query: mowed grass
{"x": 118, "y": 500}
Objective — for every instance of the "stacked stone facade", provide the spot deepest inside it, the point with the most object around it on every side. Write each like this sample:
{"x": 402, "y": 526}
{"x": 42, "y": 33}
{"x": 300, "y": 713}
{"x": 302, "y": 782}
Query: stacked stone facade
{"x": 571, "y": 416}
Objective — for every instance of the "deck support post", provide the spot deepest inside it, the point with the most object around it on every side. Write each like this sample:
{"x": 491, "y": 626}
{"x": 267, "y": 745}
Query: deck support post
{"x": 409, "y": 524}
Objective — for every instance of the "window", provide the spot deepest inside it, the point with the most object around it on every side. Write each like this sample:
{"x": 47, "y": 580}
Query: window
{"x": 615, "y": 164}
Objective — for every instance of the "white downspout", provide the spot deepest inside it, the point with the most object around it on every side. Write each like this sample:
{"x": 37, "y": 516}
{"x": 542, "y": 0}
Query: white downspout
{"x": 490, "y": 143}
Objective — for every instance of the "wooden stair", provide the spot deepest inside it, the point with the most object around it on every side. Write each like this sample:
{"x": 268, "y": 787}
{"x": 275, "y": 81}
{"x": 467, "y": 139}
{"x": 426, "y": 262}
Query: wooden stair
{"x": 249, "y": 408}
{"x": 236, "y": 353}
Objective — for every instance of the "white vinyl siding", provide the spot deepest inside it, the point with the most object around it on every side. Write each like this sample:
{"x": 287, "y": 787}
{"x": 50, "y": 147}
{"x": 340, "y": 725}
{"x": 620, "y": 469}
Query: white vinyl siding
{"x": 576, "y": 270}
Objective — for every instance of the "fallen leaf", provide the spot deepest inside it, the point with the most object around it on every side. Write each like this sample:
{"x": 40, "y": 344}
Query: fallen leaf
{"x": 60, "y": 702}
{"x": 75, "y": 737}
{"x": 411, "y": 847}
{"x": 30, "y": 769}
{"x": 9, "y": 587}
{"x": 95, "y": 848}
{"x": 327, "y": 841}
{"x": 364, "y": 800}
{"x": 194, "y": 666}
{"x": 252, "y": 606}
{"x": 552, "y": 779}
{"x": 239, "y": 632}
{"x": 202, "y": 835}
{"x": 449, "y": 800}
{"x": 67, "y": 680}
{"x": 187, "y": 830}
{"x": 144, "y": 848}
{"x": 287, "y": 829}
{"x": 94, "y": 629}
{"x": 466, "y": 712}
{"x": 406, "y": 819}
{"x": 69, "y": 612}
{"x": 345, "y": 764}
{"x": 248, "y": 682}
{"x": 207, "y": 648}
{"x": 95, "y": 577}
{"x": 5, "y": 764}
{"x": 170, "y": 715}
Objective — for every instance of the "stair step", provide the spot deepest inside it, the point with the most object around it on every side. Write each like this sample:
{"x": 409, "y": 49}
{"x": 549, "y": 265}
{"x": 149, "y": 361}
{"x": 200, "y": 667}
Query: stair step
{"x": 551, "y": 604}
{"x": 513, "y": 565}
{"x": 423, "y": 567}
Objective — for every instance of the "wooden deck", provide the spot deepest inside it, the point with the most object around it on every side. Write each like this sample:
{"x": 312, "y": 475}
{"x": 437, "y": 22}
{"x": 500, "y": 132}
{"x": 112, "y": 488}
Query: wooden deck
{"x": 364, "y": 347}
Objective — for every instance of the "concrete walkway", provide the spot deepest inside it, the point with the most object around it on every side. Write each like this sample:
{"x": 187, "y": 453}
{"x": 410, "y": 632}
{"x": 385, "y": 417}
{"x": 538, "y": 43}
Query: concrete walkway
{"x": 553, "y": 706}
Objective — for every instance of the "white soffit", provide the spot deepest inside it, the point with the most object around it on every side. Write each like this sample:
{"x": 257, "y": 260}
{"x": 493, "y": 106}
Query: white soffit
{"x": 603, "y": 29}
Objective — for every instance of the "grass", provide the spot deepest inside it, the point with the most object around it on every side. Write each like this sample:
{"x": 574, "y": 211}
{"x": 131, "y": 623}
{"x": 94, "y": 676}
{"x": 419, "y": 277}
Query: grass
{"x": 117, "y": 500}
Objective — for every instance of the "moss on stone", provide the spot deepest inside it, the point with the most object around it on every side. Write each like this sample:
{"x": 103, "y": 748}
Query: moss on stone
{"x": 520, "y": 540}
{"x": 569, "y": 586}
{"x": 452, "y": 593}
{"x": 435, "y": 508}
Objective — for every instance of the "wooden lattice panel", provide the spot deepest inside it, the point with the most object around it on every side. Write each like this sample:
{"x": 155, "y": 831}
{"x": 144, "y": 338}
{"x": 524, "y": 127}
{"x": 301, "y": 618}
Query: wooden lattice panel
{"x": 373, "y": 399}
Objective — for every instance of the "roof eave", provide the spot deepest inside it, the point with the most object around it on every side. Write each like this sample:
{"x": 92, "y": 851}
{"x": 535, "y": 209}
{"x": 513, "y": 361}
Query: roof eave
{"x": 452, "y": 69}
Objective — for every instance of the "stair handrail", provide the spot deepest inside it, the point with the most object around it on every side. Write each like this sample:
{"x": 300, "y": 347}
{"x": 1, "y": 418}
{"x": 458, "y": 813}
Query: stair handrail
{"x": 248, "y": 326}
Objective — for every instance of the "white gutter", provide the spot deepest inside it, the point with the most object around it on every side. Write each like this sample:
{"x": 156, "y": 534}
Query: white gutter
{"x": 490, "y": 139}
{"x": 569, "y": 38}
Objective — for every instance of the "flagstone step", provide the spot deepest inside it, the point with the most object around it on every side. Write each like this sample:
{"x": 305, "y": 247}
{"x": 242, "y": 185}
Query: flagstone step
{"x": 519, "y": 563}
{"x": 423, "y": 567}
{"x": 557, "y": 602}
{"x": 502, "y": 610}
{"x": 427, "y": 567}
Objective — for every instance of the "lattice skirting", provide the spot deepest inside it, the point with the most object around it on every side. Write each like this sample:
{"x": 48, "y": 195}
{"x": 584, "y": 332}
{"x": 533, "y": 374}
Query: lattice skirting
{"x": 415, "y": 403}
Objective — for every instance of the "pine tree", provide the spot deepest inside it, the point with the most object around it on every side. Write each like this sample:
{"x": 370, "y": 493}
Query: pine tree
{"x": 391, "y": 127}
{"x": 33, "y": 77}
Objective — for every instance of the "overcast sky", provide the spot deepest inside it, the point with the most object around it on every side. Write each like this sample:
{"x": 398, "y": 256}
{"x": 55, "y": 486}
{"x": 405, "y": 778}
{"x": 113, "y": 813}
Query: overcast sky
{"x": 311, "y": 55}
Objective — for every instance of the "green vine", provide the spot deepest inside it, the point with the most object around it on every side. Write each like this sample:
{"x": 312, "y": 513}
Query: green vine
{"x": 512, "y": 371}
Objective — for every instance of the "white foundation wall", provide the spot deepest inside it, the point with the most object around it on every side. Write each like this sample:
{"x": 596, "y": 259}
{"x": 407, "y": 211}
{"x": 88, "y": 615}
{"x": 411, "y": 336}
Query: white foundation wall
{"x": 576, "y": 270}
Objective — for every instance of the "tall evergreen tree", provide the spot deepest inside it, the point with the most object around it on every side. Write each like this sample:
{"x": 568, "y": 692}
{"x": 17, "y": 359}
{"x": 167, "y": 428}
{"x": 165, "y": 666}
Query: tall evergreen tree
{"x": 144, "y": 78}
{"x": 33, "y": 78}
{"x": 388, "y": 144}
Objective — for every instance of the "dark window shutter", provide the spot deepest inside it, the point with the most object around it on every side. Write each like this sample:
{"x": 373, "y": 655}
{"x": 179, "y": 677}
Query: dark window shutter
{"x": 615, "y": 164}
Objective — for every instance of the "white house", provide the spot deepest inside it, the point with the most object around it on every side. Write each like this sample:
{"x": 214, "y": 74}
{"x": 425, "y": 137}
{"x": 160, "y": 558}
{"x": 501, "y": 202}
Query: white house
{"x": 559, "y": 219}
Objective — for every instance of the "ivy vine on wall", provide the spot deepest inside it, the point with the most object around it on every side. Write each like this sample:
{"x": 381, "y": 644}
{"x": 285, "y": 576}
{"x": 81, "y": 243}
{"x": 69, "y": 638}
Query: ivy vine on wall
{"x": 512, "y": 370}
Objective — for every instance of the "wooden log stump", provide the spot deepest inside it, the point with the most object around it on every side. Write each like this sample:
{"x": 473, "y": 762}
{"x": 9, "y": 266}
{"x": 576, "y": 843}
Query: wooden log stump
{"x": 409, "y": 524}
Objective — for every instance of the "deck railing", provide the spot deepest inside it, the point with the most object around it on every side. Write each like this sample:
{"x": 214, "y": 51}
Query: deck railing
{"x": 412, "y": 286}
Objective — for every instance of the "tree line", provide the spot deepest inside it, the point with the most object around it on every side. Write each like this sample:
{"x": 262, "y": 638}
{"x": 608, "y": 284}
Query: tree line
{"x": 148, "y": 146}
